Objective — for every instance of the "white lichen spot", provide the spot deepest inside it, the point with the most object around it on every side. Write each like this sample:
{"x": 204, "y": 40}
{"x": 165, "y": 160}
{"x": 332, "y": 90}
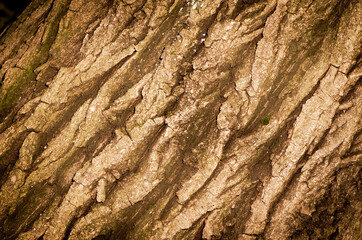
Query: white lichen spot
{"x": 122, "y": 151}
{"x": 202, "y": 40}
{"x": 13, "y": 179}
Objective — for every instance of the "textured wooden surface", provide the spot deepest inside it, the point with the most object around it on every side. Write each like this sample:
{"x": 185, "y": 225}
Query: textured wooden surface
{"x": 182, "y": 120}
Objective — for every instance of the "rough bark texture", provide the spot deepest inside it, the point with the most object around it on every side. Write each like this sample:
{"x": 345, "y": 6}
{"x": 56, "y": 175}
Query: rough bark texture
{"x": 180, "y": 119}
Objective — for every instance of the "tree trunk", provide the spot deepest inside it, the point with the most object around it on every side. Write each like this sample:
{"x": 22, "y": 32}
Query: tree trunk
{"x": 182, "y": 119}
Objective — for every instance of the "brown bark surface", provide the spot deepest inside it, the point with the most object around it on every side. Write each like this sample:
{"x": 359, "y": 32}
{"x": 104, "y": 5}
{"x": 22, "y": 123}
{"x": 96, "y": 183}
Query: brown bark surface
{"x": 182, "y": 119}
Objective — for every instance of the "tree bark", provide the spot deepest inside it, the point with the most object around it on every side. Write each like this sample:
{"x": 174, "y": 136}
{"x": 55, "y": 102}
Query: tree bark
{"x": 182, "y": 119}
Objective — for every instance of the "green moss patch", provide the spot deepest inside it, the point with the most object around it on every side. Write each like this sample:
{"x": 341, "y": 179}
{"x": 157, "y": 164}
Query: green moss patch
{"x": 265, "y": 120}
{"x": 23, "y": 79}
